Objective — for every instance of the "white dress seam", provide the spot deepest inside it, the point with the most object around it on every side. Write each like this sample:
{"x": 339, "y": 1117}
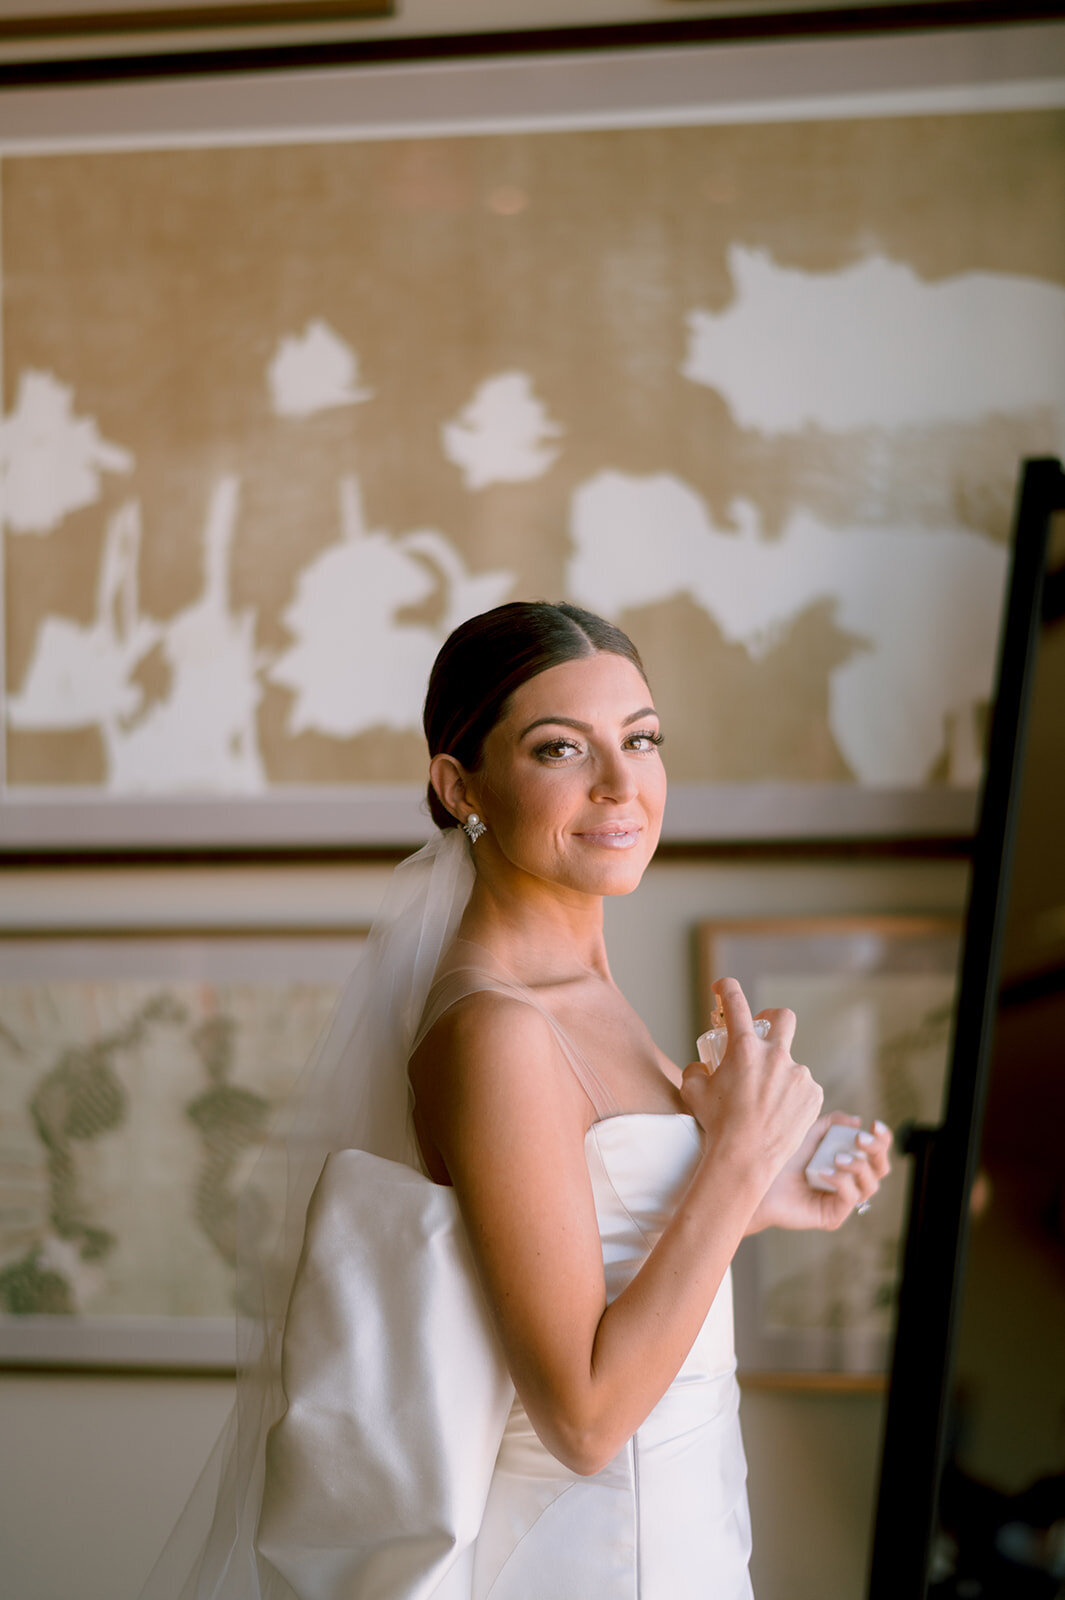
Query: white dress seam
{"x": 533, "y": 1524}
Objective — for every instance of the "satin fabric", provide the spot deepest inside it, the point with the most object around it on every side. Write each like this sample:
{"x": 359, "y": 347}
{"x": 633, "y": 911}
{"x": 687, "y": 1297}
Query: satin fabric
{"x": 376, "y": 1476}
{"x": 406, "y": 1468}
{"x": 667, "y": 1518}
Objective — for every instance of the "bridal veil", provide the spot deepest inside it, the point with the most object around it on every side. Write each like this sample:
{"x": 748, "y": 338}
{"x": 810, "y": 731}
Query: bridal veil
{"x": 352, "y": 1097}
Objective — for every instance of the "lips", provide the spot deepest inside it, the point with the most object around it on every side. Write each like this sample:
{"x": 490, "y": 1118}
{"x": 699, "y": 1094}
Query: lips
{"x": 613, "y": 836}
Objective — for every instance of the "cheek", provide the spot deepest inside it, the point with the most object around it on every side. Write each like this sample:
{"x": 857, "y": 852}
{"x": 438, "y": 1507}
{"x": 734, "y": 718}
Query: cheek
{"x": 526, "y": 819}
{"x": 540, "y": 809}
{"x": 657, "y": 787}
{"x": 650, "y": 779}
{"x": 534, "y": 802}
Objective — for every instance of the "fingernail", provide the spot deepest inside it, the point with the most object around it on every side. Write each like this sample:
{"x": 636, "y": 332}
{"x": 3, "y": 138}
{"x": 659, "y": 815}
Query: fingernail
{"x": 881, "y": 1128}
{"x": 866, "y": 1138}
{"x": 843, "y": 1159}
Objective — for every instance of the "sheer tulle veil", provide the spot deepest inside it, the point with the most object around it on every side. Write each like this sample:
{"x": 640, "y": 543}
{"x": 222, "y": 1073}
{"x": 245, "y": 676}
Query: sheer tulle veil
{"x": 353, "y": 1094}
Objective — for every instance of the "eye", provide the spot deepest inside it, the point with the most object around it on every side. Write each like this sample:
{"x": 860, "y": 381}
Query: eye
{"x": 645, "y": 741}
{"x": 557, "y": 750}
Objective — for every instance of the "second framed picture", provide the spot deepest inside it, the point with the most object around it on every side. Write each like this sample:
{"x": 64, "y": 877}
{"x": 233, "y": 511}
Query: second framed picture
{"x": 141, "y": 1069}
{"x": 874, "y": 998}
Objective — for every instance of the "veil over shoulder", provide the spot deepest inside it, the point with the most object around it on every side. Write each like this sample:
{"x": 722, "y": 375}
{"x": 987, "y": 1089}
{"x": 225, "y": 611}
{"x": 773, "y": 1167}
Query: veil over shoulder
{"x": 346, "y": 1139}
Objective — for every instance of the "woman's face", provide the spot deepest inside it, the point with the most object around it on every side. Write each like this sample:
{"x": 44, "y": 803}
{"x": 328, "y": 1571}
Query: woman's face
{"x": 571, "y": 783}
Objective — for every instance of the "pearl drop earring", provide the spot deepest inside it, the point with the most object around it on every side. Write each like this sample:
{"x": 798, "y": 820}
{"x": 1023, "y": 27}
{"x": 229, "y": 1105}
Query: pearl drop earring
{"x": 473, "y": 827}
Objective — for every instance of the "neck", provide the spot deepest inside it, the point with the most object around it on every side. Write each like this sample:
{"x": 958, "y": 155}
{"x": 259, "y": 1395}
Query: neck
{"x": 541, "y": 933}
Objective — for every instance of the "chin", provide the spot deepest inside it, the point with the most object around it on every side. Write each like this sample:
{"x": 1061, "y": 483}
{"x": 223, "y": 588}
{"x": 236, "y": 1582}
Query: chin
{"x": 624, "y": 888}
{"x": 618, "y": 874}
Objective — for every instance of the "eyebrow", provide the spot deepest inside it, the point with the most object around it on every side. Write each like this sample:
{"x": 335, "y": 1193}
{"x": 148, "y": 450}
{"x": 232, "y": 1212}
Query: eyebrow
{"x": 584, "y": 727}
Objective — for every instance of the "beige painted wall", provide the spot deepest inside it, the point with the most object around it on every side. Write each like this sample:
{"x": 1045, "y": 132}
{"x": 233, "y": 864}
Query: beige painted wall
{"x": 93, "y": 1469}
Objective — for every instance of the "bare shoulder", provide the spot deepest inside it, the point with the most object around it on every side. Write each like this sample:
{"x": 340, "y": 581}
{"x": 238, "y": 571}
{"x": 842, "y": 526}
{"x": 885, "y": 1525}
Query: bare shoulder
{"x": 486, "y": 1033}
{"x": 490, "y": 1076}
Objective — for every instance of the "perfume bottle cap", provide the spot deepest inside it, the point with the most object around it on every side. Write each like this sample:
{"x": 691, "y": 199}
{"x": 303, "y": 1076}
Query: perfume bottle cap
{"x": 712, "y": 1044}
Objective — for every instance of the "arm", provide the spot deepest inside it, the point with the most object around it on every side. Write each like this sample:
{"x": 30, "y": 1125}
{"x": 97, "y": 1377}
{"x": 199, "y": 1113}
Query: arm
{"x": 508, "y": 1121}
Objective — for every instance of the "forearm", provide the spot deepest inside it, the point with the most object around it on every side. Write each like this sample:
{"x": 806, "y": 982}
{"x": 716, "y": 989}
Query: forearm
{"x": 627, "y": 1361}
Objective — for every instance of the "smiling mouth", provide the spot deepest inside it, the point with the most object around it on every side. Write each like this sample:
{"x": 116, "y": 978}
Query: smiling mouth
{"x": 620, "y": 838}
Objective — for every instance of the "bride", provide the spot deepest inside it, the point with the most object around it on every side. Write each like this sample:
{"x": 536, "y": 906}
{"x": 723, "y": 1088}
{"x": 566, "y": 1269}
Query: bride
{"x": 594, "y": 1192}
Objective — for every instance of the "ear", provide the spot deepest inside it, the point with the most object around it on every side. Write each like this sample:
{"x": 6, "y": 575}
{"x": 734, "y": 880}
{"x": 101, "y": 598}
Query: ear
{"x": 449, "y": 778}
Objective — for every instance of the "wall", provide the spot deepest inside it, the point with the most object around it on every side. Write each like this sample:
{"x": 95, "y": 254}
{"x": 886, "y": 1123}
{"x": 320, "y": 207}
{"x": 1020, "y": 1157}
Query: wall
{"x": 95, "y": 1468}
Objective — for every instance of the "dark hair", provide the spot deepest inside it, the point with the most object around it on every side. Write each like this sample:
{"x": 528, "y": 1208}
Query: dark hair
{"x": 485, "y": 660}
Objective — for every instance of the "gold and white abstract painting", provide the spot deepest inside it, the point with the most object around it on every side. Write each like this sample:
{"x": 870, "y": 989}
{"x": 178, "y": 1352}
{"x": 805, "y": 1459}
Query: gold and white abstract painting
{"x": 279, "y": 416}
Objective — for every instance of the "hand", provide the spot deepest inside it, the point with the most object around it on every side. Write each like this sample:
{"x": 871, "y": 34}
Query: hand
{"x": 790, "y": 1202}
{"x": 757, "y": 1107}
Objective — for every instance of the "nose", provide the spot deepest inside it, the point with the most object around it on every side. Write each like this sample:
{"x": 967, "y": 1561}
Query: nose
{"x": 615, "y": 779}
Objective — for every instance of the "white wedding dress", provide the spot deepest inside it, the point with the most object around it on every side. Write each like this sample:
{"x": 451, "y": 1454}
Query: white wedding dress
{"x": 405, "y": 1467}
{"x": 667, "y": 1518}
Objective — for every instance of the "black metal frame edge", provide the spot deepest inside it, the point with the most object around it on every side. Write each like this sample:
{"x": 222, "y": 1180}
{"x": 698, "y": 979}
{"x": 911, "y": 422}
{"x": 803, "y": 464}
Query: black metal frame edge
{"x": 945, "y": 1157}
{"x": 909, "y": 16}
{"x": 1054, "y": 596}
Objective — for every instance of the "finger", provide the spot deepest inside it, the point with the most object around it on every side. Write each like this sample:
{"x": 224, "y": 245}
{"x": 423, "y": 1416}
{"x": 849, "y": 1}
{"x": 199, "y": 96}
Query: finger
{"x": 865, "y": 1187}
{"x": 856, "y": 1170}
{"x": 839, "y": 1202}
{"x": 734, "y": 1005}
{"x": 879, "y": 1134}
{"x": 876, "y": 1146}
{"x": 694, "y": 1071}
{"x": 782, "y": 1024}
{"x": 851, "y": 1187}
{"x": 696, "y": 1093}
{"x": 693, "y": 1081}
{"x": 868, "y": 1168}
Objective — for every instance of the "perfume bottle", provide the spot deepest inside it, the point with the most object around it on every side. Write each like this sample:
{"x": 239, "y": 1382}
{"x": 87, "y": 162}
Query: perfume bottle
{"x": 712, "y": 1044}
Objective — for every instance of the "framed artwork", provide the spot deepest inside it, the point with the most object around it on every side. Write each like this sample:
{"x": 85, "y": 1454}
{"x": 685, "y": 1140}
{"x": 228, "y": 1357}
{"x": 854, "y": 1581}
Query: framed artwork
{"x": 36, "y": 30}
{"x": 685, "y": 336}
{"x": 140, "y": 1071}
{"x": 874, "y": 999}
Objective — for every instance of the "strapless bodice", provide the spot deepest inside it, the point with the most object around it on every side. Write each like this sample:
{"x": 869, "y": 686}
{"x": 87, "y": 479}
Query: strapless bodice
{"x": 640, "y": 1165}
{"x": 667, "y": 1518}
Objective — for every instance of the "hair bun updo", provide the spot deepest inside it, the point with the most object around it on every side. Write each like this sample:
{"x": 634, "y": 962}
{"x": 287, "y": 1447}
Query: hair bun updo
{"x": 486, "y": 659}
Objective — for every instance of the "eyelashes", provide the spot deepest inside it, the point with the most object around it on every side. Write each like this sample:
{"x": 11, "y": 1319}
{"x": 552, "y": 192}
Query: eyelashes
{"x": 556, "y": 752}
{"x": 651, "y": 735}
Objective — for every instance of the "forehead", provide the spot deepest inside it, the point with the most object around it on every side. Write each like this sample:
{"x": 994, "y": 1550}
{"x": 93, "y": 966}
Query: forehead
{"x": 593, "y": 688}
